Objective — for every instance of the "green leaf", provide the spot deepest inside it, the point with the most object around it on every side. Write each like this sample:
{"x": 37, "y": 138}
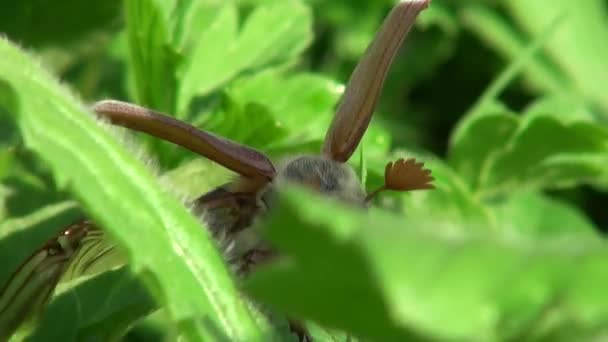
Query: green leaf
{"x": 546, "y": 151}
{"x": 451, "y": 204}
{"x": 387, "y": 277}
{"x": 499, "y": 34}
{"x": 101, "y": 308}
{"x": 582, "y": 34}
{"x": 479, "y": 142}
{"x": 533, "y": 215}
{"x": 152, "y": 58}
{"x": 300, "y": 105}
{"x": 195, "y": 177}
{"x": 117, "y": 191}
{"x": 568, "y": 108}
{"x": 556, "y": 143}
{"x": 273, "y": 33}
{"x": 249, "y": 123}
{"x": 488, "y": 120}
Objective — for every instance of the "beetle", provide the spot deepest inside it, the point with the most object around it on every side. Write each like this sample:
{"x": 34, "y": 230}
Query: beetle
{"x": 231, "y": 209}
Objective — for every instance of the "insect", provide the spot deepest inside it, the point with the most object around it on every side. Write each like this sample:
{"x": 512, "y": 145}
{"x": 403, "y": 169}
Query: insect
{"x": 231, "y": 209}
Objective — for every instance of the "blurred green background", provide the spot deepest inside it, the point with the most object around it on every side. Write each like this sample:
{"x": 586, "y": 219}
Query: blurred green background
{"x": 505, "y": 99}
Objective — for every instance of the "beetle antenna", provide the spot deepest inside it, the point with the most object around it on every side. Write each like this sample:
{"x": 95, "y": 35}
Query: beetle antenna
{"x": 404, "y": 175}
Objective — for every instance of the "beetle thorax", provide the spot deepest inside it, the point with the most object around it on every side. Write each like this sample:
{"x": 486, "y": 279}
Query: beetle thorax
{"x": 321, "y": 174}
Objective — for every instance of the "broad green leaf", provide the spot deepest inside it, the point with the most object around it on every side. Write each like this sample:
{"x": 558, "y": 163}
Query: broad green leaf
{"x": 534, "y": 215}
{"x": 101, "y": 308}
{"x": 163, "y": 240}
{"x": 488, "y": 120}
{"x": 568, "y": 108}
{"x": 249, "y": 123}
{"x": 540, "y": 149}
{"x": 389, "y": 277}
{"x": 189, "y": 18}
{"x": 483, "y": 138}
{"x": 298, "y": 101}
{"x": 208, "y": 57}
{"x": 273, "y": 33}
{"x": 546, "y": 147}
{"x": 451, "y": 204}
{"x": 301, "y": 105}
{"x": 548, "y": 152}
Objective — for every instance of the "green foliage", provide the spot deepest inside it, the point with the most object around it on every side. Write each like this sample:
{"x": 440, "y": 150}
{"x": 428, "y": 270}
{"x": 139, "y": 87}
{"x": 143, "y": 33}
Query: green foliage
{"x": 42, "y": 23}
{"x": 540, "y": 149}
{"x": 507, "y": 247}
{"x": 272, "y": 33}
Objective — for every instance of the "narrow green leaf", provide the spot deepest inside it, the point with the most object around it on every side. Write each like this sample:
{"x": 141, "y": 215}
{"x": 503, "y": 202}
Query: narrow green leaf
{"x": 493, "y": 29}
{"x": 487, "y": 101}
{"x": 362, "y": 165}
{"x": 579, "y": 46}
{"x": 17, "y": 224}
{"x": 182, "y": 266}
